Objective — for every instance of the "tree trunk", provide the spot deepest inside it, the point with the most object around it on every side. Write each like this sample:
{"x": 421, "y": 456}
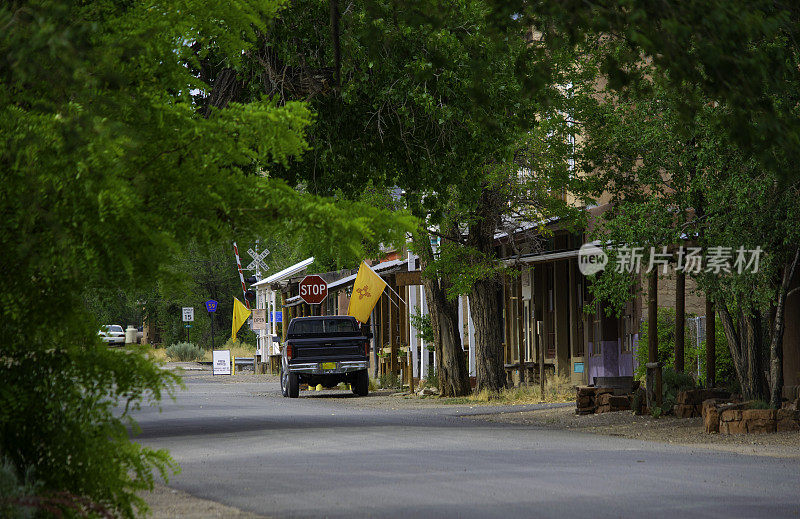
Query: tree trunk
{"x": 486, "y": 295}
{"x": 452, "y": 367}
{"x": 746, "y": 343}
{"x": 776, "y": 342}
{"x": 485, "y": 302}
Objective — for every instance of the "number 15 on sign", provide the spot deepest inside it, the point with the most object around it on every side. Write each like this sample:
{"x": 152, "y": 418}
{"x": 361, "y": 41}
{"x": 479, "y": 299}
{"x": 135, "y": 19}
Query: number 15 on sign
{"x": 188, "y": 315}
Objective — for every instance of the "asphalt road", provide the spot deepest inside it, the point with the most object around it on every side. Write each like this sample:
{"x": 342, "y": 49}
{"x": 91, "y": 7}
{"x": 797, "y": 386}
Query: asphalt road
{"x": 332, "y": 455}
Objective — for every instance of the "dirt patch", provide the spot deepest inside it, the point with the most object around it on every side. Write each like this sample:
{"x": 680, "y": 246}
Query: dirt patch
{"x": 680, "y": 431}
{"x": 168, "y": 503}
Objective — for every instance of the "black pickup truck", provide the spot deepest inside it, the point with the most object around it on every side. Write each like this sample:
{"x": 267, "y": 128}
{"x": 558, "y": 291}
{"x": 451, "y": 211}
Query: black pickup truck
{"x": 325, "y": 350}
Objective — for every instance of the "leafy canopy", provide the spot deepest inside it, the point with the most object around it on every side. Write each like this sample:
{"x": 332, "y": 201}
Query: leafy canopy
{"x": 107, "y": 170}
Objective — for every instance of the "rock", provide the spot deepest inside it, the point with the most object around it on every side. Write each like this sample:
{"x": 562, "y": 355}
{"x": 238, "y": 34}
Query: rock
{"x": 603, "y": 409}
{"x": 585, "y": 391}
{"x": 787, "y": 420}
{"x": 711, "y": 403}
{"x": 619, "y": 403}
{"x": 791, "y": 405}
{"x": 733, "y": 427}
{"x": 705, "y": 394}
{"x": 698, "y": 396}
{"x": 710, "y": 416}
{"x": 585, "y": 401}
{"x": 685, "y": 411}
{"x": 638, "y": 401}
{"x": 759, "y": 420}
{"x": 730, "y": 422}
{"x": 730, "y": 415}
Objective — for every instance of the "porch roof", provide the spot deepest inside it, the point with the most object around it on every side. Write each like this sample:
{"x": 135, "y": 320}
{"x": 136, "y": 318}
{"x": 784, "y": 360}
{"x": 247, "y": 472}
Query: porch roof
{"x": 381, "y": 268}
{"x": 550, "y": 256}
{"x": 285, "y": 273}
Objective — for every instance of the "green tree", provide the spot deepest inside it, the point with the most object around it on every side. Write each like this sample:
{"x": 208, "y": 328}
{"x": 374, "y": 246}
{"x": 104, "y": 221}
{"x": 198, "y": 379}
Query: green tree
{"x": 673, "y": 178}
{"x": 107, "y": 169}
{"x": 430, "y": 99}
{"x": 740, "y": 53}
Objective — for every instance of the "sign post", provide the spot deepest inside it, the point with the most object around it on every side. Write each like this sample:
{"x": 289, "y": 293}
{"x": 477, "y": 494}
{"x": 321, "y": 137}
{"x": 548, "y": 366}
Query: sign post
{"x": 211, "y": 306}
{"x": 313, "y": 289}
{"x": 188, "y": 315}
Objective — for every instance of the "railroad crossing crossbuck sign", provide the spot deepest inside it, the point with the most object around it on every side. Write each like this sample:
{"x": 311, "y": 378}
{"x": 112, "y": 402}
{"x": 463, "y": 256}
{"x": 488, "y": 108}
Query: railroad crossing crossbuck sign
{"x": 258, "y": 263}
{"x": 313, "y": 289}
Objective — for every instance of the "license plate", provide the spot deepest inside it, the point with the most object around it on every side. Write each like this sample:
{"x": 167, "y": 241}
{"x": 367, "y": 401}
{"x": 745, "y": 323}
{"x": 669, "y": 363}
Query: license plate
{"x": 328, "y": 365}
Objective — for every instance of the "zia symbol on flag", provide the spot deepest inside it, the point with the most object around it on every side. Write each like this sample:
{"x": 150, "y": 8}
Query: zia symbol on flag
{"x": 363, "y": 292}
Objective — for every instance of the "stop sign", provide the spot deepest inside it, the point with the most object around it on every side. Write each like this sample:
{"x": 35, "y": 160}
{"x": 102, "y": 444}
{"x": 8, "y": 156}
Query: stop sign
{"x": 313, "y": 289}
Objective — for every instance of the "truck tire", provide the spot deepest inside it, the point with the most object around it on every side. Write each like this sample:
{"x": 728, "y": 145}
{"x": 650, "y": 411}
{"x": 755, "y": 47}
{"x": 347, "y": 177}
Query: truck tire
{"x": 284, "y": 383}
{"x": 361, "y": 383}
{"x": 293, "y": 385}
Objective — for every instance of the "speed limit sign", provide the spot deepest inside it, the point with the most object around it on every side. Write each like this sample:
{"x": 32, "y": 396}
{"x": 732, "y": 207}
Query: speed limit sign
{"x": 188, "y": 313}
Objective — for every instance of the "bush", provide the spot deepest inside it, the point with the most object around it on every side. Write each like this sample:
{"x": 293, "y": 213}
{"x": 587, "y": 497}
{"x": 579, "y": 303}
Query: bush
{"x": 672, "y": 383}
{"x": 389, "y": 380}
{"x": 725, "y": 373}
{"x": 185, "y": 351}
{"x": 14, "y": 490}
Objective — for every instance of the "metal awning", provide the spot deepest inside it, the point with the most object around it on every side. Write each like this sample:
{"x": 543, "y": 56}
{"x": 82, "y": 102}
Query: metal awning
{"x": 285, "y": 273}
{"x": 379, "y": 268}
{"x": 538, "y": 258}
{"x": 550, "y": 256}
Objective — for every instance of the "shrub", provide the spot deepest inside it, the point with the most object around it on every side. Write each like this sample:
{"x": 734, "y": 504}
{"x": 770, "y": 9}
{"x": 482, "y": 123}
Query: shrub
{"x": 725, "y": 373}
{"x": 432, "y": 378}
{"x": 672, "y": 383}
{"x": 389, "y": 380}
{"x": 185, "y": 351}
{"x": 15, "y": 490}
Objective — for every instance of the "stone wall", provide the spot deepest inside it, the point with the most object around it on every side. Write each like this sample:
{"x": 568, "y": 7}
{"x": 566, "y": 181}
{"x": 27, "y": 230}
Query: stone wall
{"x": 736, "y": 418}
{"x": 601, "y": 400}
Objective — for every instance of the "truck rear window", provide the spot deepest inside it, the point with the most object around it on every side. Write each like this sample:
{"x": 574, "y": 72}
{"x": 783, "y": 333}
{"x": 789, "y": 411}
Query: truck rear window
{"x": 323, "y": 326}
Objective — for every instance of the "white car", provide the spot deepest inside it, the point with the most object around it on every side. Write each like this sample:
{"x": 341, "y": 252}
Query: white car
{"x": 112, "y": 334}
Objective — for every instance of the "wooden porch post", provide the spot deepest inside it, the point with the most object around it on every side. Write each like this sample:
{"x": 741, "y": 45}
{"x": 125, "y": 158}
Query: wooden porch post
{"x": 573, "y": 313}
{"x": 711, "y": 343}
{"x": 520, "y": 332}
{"x": 393, "y": 364}
{"x": 680, "y": 316}
{"x": 654, "y": 376}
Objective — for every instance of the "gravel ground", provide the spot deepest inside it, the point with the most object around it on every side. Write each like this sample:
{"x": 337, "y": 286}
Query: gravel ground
{"x": 681, "y": 431}
{"x": 168, "y": 503}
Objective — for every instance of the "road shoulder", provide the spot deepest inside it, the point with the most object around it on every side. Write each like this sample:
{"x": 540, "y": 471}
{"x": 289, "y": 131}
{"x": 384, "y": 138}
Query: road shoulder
{"x": 670, "y": 430}
{"x": 169, "y": 503}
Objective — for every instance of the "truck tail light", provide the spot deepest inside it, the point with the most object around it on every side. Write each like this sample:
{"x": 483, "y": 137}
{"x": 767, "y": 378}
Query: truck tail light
{"x": 366, "y": 349}
{"x": 289, "y": 350}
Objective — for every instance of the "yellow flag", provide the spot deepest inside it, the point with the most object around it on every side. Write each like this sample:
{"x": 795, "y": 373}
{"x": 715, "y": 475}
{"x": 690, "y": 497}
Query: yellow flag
{"x": 240, "y": 315}
{"x": 367, "y": 289}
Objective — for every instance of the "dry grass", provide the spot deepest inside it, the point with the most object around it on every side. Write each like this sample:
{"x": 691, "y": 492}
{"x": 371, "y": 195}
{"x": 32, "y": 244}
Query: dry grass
{"x": 238, "y": 349}
{"x": 158, "y": 354}
{"x": 557, "y": 389}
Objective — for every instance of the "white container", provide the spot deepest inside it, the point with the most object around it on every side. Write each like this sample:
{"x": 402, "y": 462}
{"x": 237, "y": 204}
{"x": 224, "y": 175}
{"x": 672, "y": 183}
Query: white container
{"x": 130, "y": 335}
